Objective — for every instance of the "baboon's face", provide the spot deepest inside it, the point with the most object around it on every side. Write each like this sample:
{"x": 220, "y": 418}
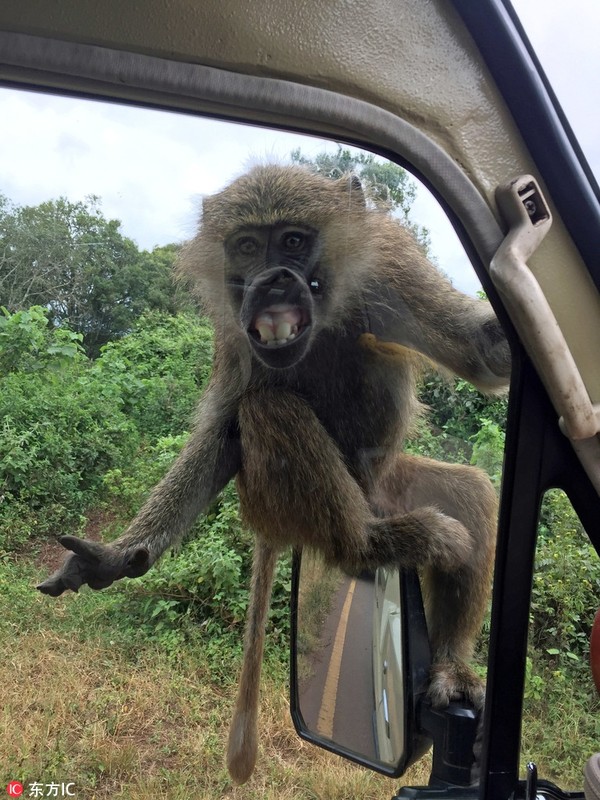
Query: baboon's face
{"x": 275, "y": 287}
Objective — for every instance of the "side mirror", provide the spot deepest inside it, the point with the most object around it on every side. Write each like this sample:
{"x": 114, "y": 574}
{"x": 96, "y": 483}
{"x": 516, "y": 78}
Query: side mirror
{"x": 360, "y": 663}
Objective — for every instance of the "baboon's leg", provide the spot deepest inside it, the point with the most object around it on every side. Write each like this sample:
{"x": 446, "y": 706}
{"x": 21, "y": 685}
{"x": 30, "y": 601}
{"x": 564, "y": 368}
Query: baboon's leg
{"x": 316, "y": 502}
{"x": 243, "y": 745}
{"x": 455, "y": 598}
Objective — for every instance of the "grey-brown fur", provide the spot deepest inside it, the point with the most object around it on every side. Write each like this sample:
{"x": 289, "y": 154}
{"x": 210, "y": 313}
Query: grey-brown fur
{"x": 313, "y": 428}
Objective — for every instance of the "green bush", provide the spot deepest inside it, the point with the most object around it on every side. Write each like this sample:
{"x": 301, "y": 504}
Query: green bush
{"x": 29, "y": 344}
{"x": 61, "y": 429}
{"x": 459, "y": 424}
{"x": 129, "y": 485}
{"x": 488, "y": 449}
{"x": 160, "y": 369}
{"x": 456, "y": 408}
{"x": 70, "y": 427}
{"x": 566, "y": 586}
{"x": 60, "y": 433}
{"x": 561, "y": 703}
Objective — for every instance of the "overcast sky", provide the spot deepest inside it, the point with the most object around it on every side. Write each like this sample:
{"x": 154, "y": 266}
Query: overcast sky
{"x": 149, "y": 168}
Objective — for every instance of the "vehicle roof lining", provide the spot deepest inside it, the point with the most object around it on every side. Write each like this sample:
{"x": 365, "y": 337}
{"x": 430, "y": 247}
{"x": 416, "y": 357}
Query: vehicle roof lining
{"x": 543, "y": 125}
{"x": 180, "y": 86}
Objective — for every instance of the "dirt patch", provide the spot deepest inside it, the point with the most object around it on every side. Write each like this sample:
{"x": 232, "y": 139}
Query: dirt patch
{"x": 51, "y": 555}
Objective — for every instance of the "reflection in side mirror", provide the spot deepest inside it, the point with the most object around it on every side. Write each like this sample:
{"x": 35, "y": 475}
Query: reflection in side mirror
{"x": 360, "y": 662}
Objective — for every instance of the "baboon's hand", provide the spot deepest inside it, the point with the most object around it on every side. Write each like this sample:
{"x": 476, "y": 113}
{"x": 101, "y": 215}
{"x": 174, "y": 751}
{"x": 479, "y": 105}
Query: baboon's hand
{"x": 96, "y": 564}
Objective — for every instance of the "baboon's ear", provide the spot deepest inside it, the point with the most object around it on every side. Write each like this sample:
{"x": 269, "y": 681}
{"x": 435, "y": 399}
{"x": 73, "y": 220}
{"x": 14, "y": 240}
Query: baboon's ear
{"x": 355, "y": 183}
{"x": 352, "y": 184}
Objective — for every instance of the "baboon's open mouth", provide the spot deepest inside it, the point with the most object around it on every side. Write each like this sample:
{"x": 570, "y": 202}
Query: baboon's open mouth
{"x": 279, "y": 325}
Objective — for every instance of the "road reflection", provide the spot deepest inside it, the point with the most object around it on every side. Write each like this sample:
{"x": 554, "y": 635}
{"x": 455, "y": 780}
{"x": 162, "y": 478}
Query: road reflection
{"x": 335, "y": 664}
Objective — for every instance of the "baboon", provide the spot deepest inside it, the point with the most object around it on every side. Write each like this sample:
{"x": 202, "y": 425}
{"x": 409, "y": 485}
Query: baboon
{"x": 320, "y": 305}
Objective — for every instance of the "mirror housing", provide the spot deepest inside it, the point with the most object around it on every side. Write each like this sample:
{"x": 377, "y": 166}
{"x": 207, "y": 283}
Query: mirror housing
{"x": 360, "y": 661}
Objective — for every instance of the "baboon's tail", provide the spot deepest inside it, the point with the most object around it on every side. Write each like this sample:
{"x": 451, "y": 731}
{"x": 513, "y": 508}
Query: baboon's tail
{"x": 243, "y": 743}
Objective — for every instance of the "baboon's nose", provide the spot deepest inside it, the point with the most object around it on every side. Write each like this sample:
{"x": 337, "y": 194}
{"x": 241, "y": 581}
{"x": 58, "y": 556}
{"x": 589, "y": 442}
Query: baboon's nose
{"x": 276, "y": 283}
{"x": 281, "y": 277}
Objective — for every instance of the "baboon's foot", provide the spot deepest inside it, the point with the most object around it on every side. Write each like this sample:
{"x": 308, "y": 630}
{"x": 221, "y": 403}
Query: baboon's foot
{"x": 454, "y": 680}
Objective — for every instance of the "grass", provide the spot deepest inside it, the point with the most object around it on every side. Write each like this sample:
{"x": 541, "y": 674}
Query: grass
{"x": 87, "y": 698}
{"x": 88, "y": 694}
{"x": 562, "y": 726}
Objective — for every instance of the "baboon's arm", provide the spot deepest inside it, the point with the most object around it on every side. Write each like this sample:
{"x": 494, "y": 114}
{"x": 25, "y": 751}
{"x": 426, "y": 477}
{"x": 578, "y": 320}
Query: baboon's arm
{"x": 419, "y": 308}
{"x": 208, "y": 461}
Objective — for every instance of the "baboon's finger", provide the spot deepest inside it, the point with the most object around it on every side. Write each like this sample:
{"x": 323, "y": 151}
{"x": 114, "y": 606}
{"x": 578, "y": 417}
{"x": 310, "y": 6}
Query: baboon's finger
{"x": 53, "y": 585}
{"x": 70, "y": 575}
{"x": 83, "y": 547}
{"x": 137, "y": 563}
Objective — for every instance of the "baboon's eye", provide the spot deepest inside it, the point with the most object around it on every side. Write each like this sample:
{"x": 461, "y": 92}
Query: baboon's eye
{"x": 293, "y": 240}
{"x": 247, "y": 246}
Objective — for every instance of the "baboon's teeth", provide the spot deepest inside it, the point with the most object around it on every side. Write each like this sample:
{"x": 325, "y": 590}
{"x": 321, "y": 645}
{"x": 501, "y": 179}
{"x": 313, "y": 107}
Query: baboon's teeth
{"x": 282, "y": 331}
{"x": 278, "y": 325}
{"x": 272, "y": 341}
{"x": 266, "y": 333}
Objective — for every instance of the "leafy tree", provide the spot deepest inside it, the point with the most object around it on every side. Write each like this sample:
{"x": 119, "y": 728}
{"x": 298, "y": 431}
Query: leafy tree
{"x": 162, "y": 292}
{"x": 386, "y": 185}
{"x": 69, "y": 258}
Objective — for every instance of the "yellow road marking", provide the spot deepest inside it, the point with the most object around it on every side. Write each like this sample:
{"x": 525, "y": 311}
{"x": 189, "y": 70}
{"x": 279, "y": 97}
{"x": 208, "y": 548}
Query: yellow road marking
{"x": 328, "y": 701}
